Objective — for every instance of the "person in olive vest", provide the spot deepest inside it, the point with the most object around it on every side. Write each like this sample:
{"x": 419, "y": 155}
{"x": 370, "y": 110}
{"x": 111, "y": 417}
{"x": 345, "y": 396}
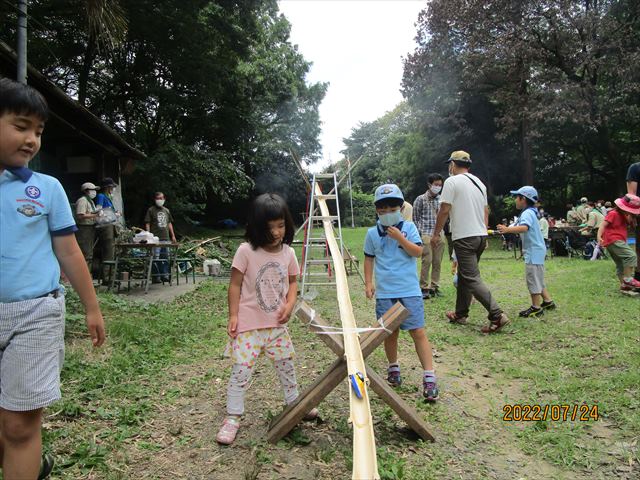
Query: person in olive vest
{"x": 86, "y": 214}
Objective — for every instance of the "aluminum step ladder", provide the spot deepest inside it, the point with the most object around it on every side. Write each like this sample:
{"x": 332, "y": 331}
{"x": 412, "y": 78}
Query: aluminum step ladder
{"x": 317, "y": 268}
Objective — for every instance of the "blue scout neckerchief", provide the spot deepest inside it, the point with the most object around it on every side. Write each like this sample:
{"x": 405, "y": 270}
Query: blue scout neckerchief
{"x": 382, "y": 231}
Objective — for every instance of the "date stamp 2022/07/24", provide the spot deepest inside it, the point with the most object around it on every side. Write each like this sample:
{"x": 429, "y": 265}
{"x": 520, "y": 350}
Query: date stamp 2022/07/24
{"x": 556, "y": 413}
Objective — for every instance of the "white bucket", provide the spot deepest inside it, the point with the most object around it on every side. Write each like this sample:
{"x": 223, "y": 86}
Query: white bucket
{"x": 211, "y": 267}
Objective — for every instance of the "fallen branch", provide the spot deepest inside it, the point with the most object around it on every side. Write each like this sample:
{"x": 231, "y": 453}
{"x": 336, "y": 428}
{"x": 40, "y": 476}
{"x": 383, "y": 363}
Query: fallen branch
{"x": 202, "y": 243}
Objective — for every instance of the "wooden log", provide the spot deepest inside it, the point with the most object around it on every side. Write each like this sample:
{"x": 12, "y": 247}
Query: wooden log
{"x": 330, "y": 378}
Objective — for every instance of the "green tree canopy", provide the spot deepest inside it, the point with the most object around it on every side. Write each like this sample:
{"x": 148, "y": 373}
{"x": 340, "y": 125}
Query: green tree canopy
{"x": 212, "y": 89}
{"x": 544, "y": 92}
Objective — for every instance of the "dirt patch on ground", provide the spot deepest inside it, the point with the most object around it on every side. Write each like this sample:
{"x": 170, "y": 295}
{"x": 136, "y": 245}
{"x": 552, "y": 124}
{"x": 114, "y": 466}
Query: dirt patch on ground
{"x": 472, "y": 440}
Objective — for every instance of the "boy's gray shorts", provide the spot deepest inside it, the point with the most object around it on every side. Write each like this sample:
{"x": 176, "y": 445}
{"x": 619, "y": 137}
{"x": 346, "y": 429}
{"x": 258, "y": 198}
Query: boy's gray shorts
{"x": 535, "y": 278}
{"x": 31, "y": 352}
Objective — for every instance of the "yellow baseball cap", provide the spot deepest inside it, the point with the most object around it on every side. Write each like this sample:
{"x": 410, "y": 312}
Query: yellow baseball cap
{"x": 459, "y": 156}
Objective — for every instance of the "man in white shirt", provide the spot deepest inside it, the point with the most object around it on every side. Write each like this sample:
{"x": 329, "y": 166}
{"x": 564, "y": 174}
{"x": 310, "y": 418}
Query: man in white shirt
{"x": 464, "y": 201}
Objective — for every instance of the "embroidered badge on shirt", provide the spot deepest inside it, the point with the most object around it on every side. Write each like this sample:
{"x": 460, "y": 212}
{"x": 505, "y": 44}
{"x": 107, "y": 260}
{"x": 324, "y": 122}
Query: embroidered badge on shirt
{"x": 29, "y": 211}
{"x": 32, "y": 191}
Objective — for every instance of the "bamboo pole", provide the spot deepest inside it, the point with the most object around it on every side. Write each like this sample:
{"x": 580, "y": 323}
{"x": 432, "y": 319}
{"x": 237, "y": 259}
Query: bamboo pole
{"x": 365, "y": 462}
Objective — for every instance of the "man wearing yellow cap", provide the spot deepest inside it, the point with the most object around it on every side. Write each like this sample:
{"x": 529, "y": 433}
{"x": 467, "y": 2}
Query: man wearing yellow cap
{"x": 464, "y": 201}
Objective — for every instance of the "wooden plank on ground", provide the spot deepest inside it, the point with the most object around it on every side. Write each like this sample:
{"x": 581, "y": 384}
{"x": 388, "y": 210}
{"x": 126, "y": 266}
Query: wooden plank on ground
{"x": 405, "y": 411}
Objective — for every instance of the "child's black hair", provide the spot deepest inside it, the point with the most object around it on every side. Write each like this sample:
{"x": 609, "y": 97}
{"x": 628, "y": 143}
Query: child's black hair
{"x": 21, "y": 99}
{"x": 389, "y": 202}
{"x": 265, "y": 208}
{"x": 530, "y": 203}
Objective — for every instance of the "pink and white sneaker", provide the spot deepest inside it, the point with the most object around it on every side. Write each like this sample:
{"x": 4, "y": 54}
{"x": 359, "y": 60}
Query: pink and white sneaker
{"x": 228, "y": 431}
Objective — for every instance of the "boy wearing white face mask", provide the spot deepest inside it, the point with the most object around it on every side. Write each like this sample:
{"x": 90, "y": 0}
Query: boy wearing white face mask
{"x": 392, "y": 248}
{"x": 425, "y": 212}
{"x": 86, "y": 213}
{"x": 159, "y": 221}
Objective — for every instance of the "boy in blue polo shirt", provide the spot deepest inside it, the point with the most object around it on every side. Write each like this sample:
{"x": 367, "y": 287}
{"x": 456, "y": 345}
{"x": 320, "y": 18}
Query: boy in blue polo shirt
{"x": 392, "y": 248}
{"x": 534, "y": 250}
{"x": 36, "y": 238}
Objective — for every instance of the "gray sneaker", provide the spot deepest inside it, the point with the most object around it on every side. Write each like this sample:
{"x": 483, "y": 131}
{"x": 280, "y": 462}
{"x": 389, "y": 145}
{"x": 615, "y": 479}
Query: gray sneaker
{"x": 393, "y": 378}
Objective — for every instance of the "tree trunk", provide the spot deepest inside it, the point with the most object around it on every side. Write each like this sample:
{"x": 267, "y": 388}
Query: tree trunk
{"x": 83, "y": 78}
{"x": 525, "y": 149}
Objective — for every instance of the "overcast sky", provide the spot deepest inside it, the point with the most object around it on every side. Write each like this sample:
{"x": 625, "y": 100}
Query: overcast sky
{"x": 357, "y": 46}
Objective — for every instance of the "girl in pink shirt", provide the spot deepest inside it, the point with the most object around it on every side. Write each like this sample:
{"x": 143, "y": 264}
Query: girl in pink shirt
{"x": 262, "y": 294}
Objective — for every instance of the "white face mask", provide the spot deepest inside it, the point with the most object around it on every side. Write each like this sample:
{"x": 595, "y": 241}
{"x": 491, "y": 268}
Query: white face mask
{"x": 160, "y": 203}
{"x": 451, "y": 174}
{"x": 390, "y": 219}
{"x": 435, "y": 189}
{"x": 92, "y": 194}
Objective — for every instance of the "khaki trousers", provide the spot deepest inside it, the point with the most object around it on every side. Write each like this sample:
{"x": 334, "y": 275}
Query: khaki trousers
{"x": 431, "y": 262}
{"x": 468, "y": 252}
{"x": 86, "y": 236}
{"x": 107, "y": 236}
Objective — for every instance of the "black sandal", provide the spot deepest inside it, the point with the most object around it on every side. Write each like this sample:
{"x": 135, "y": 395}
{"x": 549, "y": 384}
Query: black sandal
{"x": 46, "y": 466}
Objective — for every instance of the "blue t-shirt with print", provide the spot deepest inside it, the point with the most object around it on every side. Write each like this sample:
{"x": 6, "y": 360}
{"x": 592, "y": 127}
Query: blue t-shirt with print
{"x": 33, "y": 208}
{"x": 395, "y": 270}
{"x": 532, "y": 240}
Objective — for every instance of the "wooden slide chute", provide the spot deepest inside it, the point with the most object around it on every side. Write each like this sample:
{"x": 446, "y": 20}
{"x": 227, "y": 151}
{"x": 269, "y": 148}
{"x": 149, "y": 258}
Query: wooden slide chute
{"x": 365, "y": 462}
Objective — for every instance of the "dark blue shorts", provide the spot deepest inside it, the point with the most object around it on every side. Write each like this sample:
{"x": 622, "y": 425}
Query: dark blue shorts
{"x": 415, "y": 305}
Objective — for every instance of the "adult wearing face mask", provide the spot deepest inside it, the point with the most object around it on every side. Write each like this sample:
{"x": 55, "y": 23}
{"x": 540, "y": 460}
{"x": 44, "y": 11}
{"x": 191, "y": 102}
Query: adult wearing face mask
{"x": 425, "y": 211}
{"x": 106, "y": 231}
{"x": 86, "y": 213}
{"x": 464, "y": 200}
{"x": 158, "y": 220}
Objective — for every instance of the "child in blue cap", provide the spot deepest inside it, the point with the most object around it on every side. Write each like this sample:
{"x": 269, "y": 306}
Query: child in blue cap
{"x": 392, "y": 248}
{"x": 534, "y": 250}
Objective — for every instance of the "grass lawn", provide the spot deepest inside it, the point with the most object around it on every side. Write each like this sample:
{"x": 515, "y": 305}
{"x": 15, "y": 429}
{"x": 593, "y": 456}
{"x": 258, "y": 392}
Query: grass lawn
{"x": 148, "y": 404}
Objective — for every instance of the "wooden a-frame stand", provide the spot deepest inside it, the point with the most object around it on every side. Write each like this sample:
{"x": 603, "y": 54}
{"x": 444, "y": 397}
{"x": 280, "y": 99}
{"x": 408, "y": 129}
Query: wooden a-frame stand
{"x": 337, "y": 372}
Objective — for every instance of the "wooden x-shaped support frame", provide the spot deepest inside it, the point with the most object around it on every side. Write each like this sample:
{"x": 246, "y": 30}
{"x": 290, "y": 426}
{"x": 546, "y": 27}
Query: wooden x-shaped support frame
{"x": 337, "y": 372}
